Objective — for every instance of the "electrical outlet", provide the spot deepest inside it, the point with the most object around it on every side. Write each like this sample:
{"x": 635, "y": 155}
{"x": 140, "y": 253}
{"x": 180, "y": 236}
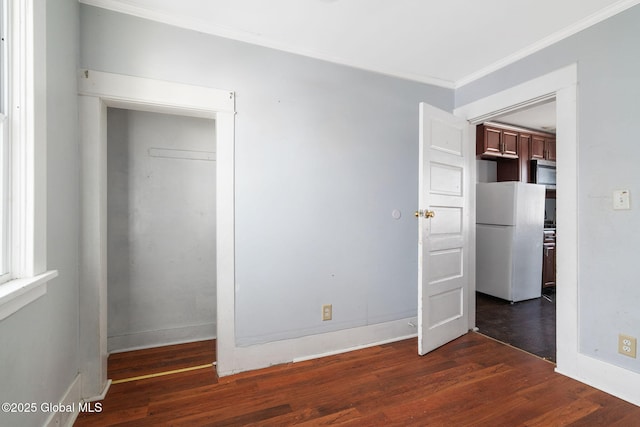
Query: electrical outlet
{"x": 327, "y": 312}
{"x": 627, "y": 345}
{"x": 621, "y": 200}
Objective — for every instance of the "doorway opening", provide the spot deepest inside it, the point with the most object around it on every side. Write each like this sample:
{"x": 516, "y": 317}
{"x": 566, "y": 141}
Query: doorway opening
{"x": 99, "y": 91}
{"x": 161, "y": 229}
{"x": 560, "y": 84}
{"x": 515, "y": 285}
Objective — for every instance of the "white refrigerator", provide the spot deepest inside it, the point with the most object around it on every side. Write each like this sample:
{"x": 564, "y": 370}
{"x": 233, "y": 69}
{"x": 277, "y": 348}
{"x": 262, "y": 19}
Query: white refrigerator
{"x": 509, "y": 234}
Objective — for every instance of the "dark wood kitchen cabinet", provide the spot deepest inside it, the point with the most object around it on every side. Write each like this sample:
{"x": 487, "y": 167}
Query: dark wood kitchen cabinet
{"x": 550, "y": 148}
{"x": 512, "y": 148}
{"x": 537, "y": 147}
{"x": 543, "y": 147}
{"x": 516, "y": 169}
{"x": 549, "y": 259}
{"x": 496, "y": 142}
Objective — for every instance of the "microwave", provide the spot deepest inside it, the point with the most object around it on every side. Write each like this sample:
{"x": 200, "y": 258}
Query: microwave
{"x": 543, "y": 172}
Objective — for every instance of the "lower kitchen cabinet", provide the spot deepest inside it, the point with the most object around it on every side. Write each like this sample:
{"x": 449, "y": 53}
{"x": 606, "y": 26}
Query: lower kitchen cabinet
{"x": 549, "y": 259}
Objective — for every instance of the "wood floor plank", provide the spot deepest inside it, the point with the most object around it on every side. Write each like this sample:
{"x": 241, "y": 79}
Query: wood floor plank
{"x": 159, "y": 359}
{"x": 242, "y": 419}
{"x": 339, "y": 417}
{"x": 564, "y": 415}
{"x": 471, "y": 381}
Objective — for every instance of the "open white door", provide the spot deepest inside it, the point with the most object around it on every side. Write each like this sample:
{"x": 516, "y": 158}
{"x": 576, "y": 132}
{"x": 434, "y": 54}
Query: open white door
{"x": 444, "y": 223}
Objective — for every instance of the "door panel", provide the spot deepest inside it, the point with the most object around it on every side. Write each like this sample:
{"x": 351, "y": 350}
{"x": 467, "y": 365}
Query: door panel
{"x": 445, "y": 307}
{"x": 446, "y": 138}
{"x": 447, "y": 221}
{"x": 446, "y": 179}
{"x": 444, "y": 223}
{"x": 447, "y": 265}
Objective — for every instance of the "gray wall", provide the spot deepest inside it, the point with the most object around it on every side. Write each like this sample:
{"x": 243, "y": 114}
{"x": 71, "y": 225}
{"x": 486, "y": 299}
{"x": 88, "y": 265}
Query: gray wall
{"x": 324, "y": 154}
{"x": 608, "y": 153}
{"x": 161, "y": 229}
{"x": 38, "y": 355}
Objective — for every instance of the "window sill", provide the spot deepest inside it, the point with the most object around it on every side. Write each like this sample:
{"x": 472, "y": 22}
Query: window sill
{"x": 17, "y": 293}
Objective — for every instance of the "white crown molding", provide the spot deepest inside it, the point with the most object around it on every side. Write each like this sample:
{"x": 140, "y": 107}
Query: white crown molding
{"x": 587, "y": 22}
{"x": 123, "y": 6}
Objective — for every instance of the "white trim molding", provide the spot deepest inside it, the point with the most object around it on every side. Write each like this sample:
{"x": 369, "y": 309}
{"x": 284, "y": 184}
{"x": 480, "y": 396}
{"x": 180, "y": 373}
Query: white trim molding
{"x": 70, "y": 402}
{"x": 556, "y": 37}
{"x": 207, "y": 27}
{"x": 27, "y": 96}
{"x": 97, "y": 91}
{"x": 562, "y": 85}
{"x": 237, "y": 359}
{"x": 26, "y": 135}
{"x": 118, "y": 90}
{"x": 19, "y": 292}
{"x": 200, "y": 25}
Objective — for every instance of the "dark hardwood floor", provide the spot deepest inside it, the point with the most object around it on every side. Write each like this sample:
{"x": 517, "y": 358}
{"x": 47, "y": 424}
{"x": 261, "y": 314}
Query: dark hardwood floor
{"x": 528, "y": 325}
{"x": 472, "y": 381}
{"x": 160, "y": 359}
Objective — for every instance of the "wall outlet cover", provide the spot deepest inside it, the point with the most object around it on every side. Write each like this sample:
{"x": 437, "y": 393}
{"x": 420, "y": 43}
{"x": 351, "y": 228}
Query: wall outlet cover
{"x": 627, "y": 345}
{"x": 327, "y": 312}
{"x": 621, "y": 200}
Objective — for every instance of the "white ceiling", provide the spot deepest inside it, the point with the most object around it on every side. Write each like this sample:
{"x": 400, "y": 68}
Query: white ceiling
{"x": 447, "y": 42}
{"x": 539, "y": 117}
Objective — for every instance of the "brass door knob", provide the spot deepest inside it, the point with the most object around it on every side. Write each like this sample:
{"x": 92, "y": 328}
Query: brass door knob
{"x": 425, "y": 213}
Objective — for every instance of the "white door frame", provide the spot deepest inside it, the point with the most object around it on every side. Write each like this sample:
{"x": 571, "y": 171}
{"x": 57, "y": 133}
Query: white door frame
{"x": 562, "y": 85}
{"x": 97, "y": 91}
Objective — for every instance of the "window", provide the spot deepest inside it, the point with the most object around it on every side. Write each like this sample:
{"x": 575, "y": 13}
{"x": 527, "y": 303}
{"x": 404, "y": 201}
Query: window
{"x": 23, "y": 274}
{"x": 5, "y": 181}
{"x": 4, "y": 164}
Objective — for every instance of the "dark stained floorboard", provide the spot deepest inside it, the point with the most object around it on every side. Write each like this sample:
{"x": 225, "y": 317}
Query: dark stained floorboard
{"x": 472, "y": 381}
{"x": 160, "y": 359}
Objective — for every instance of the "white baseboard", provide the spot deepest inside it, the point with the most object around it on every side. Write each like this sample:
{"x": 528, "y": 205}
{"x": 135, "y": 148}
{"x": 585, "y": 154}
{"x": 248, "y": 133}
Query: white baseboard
{"x": 71, "y": 404}
{"x": 617, "y": 381}
{"x": 150, "y": 339}
{"x": 354, "y": 348}
{"x": 239, "y": 359}
{"x": 101, "y": 396}
{"x": 70, "y": 400}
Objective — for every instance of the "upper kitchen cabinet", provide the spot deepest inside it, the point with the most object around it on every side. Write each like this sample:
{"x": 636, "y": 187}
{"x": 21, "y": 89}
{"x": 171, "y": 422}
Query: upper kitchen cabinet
{"x": 496, "y": 142}
{"x": 543, "y": 147}
{"x": 509, "y": 169}
{"x": 513, "y": 148}
{"x": 550, "y": 148}
{"x": 537, "y": 147}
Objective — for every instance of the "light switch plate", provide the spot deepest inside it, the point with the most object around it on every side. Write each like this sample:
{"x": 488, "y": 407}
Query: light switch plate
{"x": 621, "y": 200}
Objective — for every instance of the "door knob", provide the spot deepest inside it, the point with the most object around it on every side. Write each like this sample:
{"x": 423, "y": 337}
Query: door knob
{"x": 425, "y": 213}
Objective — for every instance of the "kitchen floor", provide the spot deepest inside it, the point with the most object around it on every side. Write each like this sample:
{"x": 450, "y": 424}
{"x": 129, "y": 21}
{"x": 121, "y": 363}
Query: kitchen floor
{"x": 528, "y": 325}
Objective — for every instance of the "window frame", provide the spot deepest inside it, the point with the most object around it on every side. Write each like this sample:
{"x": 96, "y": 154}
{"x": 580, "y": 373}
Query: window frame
{"x": 24, "y": 145}
{"x": 5, "y": 237}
